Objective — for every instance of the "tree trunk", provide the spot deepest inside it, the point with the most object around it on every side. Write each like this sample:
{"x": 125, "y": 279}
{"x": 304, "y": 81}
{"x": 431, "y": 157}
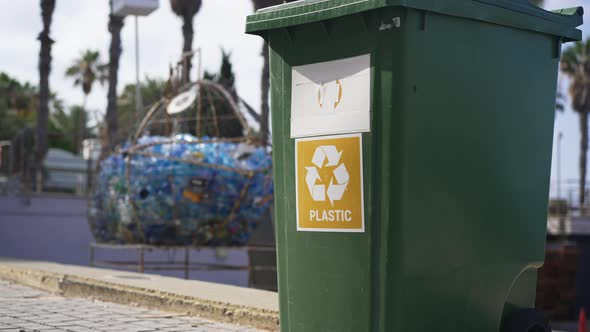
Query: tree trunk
{"x": 265, "y": 86}
{"x": 82, "y": 136}
{"x": 583, "y": 156}
{"x": 111, "y": 117}
{"x": 81, "y": 128}
{"x": 41, "y": 146}
{"x": 188, "y": 35}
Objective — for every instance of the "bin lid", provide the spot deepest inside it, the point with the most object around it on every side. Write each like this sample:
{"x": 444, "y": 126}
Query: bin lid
{"x": 514, "y": 13}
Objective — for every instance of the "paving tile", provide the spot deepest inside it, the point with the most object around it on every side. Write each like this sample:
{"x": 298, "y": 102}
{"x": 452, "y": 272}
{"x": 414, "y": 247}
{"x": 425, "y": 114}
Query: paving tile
{"x": 26, "y": 309}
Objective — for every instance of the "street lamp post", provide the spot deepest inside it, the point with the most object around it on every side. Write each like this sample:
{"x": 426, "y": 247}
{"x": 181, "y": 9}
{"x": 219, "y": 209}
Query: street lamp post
{"x": 559, "y": 138}
{"x": 138, "y": 102}
{"x": 135, "y": 8}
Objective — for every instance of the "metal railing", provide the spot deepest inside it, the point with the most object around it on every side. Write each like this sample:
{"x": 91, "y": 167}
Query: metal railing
{"x": 568, "y": 190}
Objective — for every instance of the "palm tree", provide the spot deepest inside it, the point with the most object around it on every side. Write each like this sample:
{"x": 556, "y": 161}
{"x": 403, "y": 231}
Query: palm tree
{"x": 47, "y": 8}
{"x": 228, "y": 124}
{"x": 86, "y": 70}
{"x": 151, "y": 90}
{"x": 19, "y": 103}
{"x": 575, "y": 63}
{"x": 63, "y": 124}
{"x": 186, "y": 9}
{"x": 265, "y": 80}
{"x": 111, "y": 118}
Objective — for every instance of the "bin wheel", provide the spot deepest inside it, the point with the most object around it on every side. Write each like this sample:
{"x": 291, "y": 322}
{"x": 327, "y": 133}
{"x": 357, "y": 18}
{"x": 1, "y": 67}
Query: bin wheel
{"x": 526, "y": 320}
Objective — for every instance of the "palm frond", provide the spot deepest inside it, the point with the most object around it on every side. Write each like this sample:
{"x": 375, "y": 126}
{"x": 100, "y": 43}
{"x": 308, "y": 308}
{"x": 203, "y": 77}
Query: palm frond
{"x": 87, "y": 69}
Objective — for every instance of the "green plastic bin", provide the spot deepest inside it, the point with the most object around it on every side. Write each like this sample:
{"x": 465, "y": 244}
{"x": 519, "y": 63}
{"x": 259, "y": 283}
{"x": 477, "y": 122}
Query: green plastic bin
{"x": 442, "y": 113}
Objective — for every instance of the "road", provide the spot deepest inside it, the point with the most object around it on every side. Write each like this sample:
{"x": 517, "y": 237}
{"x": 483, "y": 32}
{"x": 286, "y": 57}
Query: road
{"x": 24, "y": 309}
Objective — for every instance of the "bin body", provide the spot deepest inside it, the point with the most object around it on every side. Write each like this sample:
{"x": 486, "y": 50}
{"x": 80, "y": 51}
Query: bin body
{"x": 456, "y": 166}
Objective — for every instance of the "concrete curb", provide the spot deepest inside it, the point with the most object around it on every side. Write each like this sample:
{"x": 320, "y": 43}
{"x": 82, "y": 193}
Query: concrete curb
{"x": 71, "y": 284}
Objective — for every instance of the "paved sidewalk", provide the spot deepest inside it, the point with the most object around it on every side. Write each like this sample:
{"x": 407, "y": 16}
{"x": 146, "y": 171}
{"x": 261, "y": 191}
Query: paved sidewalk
{"x": 564, "y": 326}
{"x": 24, "y": 309}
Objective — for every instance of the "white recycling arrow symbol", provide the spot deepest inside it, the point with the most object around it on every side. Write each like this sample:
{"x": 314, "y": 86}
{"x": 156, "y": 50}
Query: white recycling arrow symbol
{"x": 327, "y": 156}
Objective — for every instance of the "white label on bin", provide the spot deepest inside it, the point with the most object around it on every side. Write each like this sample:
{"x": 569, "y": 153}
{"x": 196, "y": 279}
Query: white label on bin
{"x": 331, "y": 97}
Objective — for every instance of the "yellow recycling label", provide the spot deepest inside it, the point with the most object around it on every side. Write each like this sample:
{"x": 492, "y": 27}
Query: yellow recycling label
{"x": 329, "y": 184}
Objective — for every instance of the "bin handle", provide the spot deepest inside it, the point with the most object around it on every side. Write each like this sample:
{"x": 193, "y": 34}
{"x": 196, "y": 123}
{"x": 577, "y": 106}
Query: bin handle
{"x": 571, "y": 11}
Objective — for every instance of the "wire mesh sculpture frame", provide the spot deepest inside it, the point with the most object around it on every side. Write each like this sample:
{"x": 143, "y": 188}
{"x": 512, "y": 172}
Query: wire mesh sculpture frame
{"x": 215, "y": 107}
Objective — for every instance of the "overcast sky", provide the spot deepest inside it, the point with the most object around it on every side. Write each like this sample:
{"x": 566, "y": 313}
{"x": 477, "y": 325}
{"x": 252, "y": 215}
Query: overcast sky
{"x": 567, "y": 122}
{"x": 82, "y": 24}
